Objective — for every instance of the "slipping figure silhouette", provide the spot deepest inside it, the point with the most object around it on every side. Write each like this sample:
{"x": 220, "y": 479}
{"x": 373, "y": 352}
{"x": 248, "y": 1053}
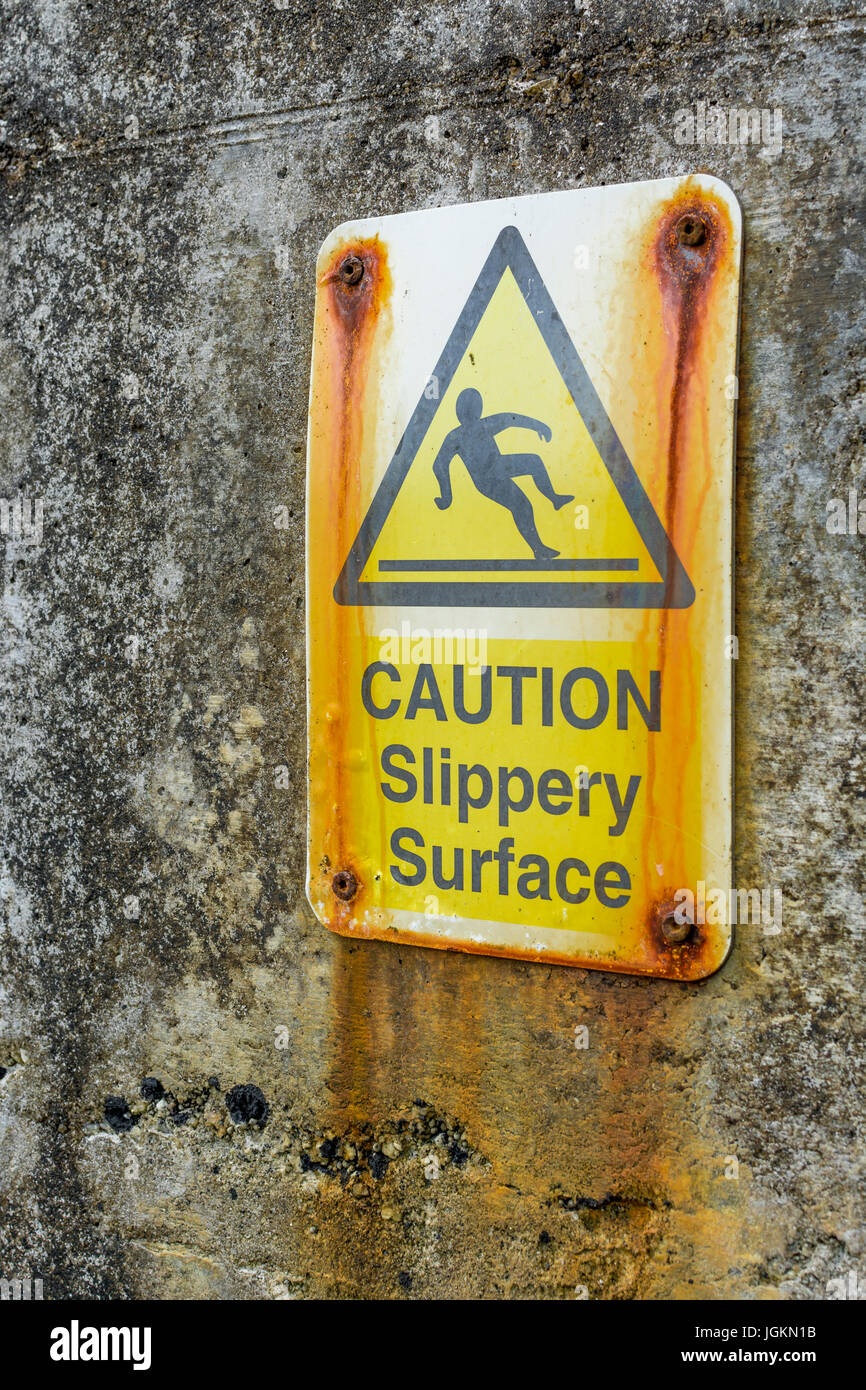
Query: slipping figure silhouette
{"x": 493, "y": 473}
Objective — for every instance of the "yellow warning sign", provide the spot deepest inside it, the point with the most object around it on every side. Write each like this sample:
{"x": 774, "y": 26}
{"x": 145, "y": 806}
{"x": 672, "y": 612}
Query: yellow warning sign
{"x": 511, "y": 664}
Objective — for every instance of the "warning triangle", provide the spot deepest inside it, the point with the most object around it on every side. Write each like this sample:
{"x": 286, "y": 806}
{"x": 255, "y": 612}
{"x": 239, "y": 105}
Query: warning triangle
{"x": 510, "y": 487}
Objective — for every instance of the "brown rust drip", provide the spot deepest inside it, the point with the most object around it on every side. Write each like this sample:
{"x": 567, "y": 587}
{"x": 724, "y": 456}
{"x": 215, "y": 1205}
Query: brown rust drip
{"x": 688, "y": 247}
{"x": 355, "y": 288}
{"x": 689, "y": 242}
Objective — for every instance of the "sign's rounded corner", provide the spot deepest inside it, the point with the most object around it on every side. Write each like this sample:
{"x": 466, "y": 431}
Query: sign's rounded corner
{"x": 339, "y": 235}
{"x": 726, "y": 194}
{"x": 713, "y": 967}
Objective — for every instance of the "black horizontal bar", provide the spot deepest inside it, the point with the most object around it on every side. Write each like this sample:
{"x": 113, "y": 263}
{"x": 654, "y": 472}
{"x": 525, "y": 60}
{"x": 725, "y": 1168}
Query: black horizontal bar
{"x": 475, "y": 566}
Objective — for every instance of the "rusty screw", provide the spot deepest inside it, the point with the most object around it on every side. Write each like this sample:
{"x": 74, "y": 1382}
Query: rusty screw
{"x": 344, "y": 884}
{"x": 674, "y": 932}
{"x": 691, "y": 230}
{"x": 351, "y": 270}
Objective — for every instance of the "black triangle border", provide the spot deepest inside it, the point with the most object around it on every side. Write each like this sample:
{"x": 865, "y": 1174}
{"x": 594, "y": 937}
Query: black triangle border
{"x": 673, "y": 590}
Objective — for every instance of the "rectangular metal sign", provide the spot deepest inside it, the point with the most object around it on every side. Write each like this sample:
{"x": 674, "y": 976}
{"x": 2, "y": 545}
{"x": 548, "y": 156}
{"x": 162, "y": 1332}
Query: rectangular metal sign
{"x": 519, "y": 542}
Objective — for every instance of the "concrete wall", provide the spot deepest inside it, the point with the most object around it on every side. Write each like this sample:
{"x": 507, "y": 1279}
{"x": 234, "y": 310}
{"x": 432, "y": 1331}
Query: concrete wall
{"x": 423, "y": 1124}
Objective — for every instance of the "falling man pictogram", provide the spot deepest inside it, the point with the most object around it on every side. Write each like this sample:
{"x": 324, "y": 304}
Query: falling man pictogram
{"x": 493, "y": 472}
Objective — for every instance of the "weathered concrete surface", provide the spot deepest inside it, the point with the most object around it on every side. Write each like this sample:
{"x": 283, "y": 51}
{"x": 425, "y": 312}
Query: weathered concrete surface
{"x": 429, "y": 1126}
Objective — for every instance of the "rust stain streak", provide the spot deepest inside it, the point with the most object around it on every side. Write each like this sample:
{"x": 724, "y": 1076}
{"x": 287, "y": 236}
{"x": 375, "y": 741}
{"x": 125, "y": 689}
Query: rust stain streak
{"x": 690, "y": 240}
{"x": 352, "y": 312}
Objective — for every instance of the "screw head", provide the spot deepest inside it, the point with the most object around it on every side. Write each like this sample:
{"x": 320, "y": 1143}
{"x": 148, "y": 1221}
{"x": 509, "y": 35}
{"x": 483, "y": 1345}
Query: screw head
{"x": 691, "y": 230}
{"x": 344, "y": 885}
{"x": 351, "y": 270}
{"x": 674, "y": 932}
